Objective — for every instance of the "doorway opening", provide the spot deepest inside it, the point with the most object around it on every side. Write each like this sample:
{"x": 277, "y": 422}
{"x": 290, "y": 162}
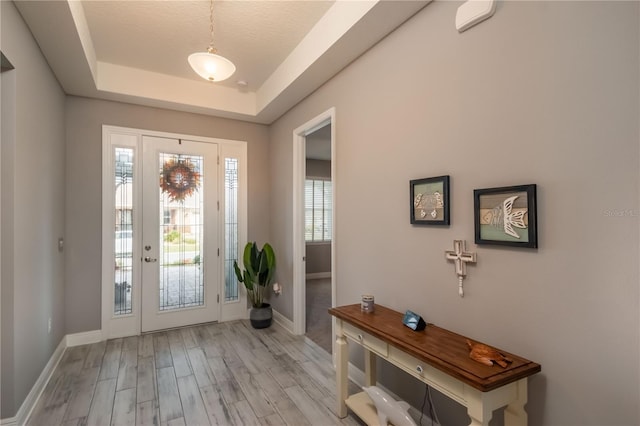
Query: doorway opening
{"x": 317, "y": 235}
{"x": 7, "y": 153}
{"x": 314, "y": 229}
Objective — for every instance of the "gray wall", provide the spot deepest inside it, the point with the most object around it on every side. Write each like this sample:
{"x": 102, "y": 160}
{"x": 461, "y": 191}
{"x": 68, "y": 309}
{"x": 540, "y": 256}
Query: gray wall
{"x": 84, "y": 120}
{"x": 318, "y": 255}
{"x": 318, "y": 258}
{"x": 545, "y": 93}
{"x": 33, "y": 193}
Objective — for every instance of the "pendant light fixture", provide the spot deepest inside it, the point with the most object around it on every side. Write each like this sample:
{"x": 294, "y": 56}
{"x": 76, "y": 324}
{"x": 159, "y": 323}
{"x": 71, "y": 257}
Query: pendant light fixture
{"x": 209, "y": 65}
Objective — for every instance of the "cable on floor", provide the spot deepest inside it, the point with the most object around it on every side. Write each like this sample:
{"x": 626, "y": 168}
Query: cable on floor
{"x": 432, "y": 411}
{"x": 424, "y": 401}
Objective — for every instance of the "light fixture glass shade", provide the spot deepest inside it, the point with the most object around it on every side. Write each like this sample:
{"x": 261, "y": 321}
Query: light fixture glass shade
{"x": 211, "y": 67}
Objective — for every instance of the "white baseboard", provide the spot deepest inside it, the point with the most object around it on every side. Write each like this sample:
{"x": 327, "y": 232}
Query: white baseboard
{"x": 318, "y": 275}
{"x": 283, "y": 321}
{"x": 85, "y": 338}
{"x": 32, "y": 398}
{"x": 9, "y": 421}
{"x": 95, "y": 336}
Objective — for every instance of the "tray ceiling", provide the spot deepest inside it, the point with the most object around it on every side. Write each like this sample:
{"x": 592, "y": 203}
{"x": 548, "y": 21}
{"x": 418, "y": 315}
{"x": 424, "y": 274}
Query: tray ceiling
{"x": 136, "y": 51}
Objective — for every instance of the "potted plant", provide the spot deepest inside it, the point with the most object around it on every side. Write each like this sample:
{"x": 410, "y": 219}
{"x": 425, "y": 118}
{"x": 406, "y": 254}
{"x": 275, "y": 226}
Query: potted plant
{"x": 259, "y": 266}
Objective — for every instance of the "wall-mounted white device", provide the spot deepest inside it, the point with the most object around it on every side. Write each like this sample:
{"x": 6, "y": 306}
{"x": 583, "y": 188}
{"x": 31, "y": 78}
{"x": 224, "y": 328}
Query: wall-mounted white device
{"x": 473, "y": 12}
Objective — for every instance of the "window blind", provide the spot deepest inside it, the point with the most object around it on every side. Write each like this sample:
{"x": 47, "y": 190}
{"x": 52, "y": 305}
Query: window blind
{"x": 318, "y": 209}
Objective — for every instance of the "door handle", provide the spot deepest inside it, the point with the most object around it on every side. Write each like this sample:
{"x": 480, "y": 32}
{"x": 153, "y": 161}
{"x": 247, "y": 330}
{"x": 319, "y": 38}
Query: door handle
{"x": 150, "y": 260}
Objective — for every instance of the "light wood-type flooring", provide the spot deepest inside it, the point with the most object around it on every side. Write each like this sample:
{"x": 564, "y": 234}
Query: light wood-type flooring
{"x": 225, "y": 374}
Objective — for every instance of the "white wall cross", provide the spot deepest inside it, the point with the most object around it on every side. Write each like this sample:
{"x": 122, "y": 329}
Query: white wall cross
{"x": 460, "y": 257}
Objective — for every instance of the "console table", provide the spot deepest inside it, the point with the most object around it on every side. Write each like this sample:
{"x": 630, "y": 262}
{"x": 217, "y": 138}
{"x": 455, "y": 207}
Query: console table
{"x": 434, "y": 356}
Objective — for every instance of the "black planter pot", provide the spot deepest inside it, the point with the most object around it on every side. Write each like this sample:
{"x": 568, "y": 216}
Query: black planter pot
{"x": 261, "y": 317}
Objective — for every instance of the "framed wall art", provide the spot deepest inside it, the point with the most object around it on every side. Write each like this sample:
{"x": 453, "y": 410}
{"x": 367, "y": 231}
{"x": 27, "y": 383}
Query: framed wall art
{"x": 429, "y": 198}
{"x": 506, "y": 216}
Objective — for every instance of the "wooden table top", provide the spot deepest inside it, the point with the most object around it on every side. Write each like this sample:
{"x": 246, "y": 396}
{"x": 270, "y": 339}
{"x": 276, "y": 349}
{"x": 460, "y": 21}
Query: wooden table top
{"x": 440, "y": 348}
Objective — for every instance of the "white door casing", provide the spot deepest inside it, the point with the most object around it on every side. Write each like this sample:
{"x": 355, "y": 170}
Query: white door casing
{"x": 230, "y": 306}
{"x": 299, "y": 291}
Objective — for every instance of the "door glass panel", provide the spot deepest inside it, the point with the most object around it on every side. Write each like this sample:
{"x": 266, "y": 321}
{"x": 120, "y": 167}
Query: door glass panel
{"x": 230, "y": 228}
{"x": 181, "y": 231}
{"x": 123, "y": 230}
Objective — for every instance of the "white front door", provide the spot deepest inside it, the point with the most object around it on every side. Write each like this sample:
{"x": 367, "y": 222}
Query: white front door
{"x": 180, "y": 256}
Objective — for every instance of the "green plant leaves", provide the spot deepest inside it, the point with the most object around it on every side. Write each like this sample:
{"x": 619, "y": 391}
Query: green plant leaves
{"x": 259, "y": 267}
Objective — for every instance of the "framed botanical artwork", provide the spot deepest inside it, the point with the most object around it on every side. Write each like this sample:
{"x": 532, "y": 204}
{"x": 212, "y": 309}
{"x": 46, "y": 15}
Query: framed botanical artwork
{"x": 429, "y": 198}
{"x": 506, "y": 216}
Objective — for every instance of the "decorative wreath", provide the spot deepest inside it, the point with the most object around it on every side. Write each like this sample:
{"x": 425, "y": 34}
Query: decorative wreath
{"x": 179, "y": 178}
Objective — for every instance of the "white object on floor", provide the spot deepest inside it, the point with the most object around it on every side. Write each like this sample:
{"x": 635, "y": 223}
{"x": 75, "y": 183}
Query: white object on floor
{"x": 473, "y": 12}
{"x": 389, "y": 410}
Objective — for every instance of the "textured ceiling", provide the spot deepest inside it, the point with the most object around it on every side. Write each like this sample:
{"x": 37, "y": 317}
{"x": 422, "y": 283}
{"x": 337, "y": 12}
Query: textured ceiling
{"x": 136, "y": 51}
{"x": 158, "y": 36}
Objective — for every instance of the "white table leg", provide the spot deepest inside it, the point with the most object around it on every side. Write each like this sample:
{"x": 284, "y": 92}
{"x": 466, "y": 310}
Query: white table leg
{"x": 370, "y": 371}
{"x": 342, "y": 373}
{"x": 478, "y": 409}
{"x": 480, "y": 417}
{"x": 514, "y": 414}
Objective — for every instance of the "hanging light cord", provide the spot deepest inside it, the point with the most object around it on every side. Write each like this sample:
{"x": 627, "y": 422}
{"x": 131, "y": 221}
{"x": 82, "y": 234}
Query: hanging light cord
{"x": 208, "y": 64}
{"x": 211, "y": 49}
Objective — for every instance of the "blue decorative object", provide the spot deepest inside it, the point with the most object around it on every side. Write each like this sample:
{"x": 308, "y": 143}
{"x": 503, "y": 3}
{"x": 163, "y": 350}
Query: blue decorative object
{"x": 413, "y": 321}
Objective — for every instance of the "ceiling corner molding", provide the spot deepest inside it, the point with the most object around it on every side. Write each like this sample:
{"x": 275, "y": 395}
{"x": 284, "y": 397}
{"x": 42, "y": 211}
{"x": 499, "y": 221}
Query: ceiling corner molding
{"x": 161, "y": 90}
{"x": 82, "y": 28}
{"x": 332, "y": 26}
{"x": 54, "y": 28}
{"x": 345, "y": 31}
